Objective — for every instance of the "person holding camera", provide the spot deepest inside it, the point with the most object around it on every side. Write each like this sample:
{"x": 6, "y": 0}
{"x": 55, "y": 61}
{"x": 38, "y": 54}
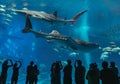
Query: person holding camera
{"x": 15, "y": 73}
{"x": 5, "y": 67}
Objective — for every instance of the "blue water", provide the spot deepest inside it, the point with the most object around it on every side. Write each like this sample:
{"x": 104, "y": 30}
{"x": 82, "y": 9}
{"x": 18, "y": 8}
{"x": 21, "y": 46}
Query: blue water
{"x": 100, "y": 25}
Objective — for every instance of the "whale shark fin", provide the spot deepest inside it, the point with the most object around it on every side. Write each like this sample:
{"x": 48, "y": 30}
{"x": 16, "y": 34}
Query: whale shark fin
{"x": 55, "y": 13}
{"x": 28, "y": 25}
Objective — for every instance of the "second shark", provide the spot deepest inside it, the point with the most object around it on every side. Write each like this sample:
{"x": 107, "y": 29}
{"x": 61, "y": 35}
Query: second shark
{"x": 64, "y": 41}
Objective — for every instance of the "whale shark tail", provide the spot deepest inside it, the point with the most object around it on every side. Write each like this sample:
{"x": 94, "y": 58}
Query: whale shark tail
{"x": 28, "y": 25}
{"x": 77, "y": 16}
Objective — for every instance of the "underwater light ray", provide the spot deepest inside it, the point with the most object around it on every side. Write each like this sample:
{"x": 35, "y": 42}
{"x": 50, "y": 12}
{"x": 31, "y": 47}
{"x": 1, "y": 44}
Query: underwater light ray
{"x": 83, "y": 29}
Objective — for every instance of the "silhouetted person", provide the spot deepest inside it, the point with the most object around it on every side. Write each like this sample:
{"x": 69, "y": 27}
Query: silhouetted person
{"x": 79, "y": 72}
{"x": 118, "y": 79}
{"x": 52, "y": 75}
{"x": 93, "y": 74}
{"x": 58, "y": 68}
{"x": 29, "y": 78}
{"x": 107, "y": 76}
{"x": 5, "y": 67}
{"x": 114, "y": 69}
{"x": 15, "y": 73}
{"x": 35, "y": 74}
{"x": 55, "y": 72}
{"x": 67, "y": 79}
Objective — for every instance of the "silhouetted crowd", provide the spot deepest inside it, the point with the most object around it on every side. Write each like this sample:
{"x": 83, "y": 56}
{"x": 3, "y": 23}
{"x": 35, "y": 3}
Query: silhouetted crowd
{"x": 32, "y": 72}
{"x": 108, "y": 75}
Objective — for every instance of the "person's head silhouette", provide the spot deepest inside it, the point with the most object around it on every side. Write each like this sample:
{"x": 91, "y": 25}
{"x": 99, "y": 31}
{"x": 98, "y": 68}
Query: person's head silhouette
{"x": 35, "y": 67}
{"x": 112, "y": 64}
{"x": 69, "y": 62}
{"x": 5, "y": 62}
{"x": 31, "y": 63}
{"x": 79, "y": 62}
{"x": 15, "y": 65}
{"x": 105, "y": 64}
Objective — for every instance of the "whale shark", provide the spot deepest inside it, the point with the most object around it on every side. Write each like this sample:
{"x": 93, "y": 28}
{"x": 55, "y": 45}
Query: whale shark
{"x": 65, "y": 42}
{"x": 49, "y": 17}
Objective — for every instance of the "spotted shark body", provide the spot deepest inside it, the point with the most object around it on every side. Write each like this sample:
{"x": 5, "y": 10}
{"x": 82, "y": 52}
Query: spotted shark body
{"x": 65, "y": 41}
{"x": 49, "y": 17}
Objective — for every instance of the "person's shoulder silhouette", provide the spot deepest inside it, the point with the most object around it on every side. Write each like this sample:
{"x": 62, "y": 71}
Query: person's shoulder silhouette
{"x": 67, "y": 73}
{"x": 15, "y": 73}
{"x": 29, "y": 67}
{"x": 114, "y": 68}
{"x": 30, "y": 70}
{"x": 93, "y": 74}
{"x": 53, "y": 74}
{"x": 107, "y": 76}
{"x": 36, "y": 72}
{"x": 79, "y": 72}
{"x": 68, "y": 67}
